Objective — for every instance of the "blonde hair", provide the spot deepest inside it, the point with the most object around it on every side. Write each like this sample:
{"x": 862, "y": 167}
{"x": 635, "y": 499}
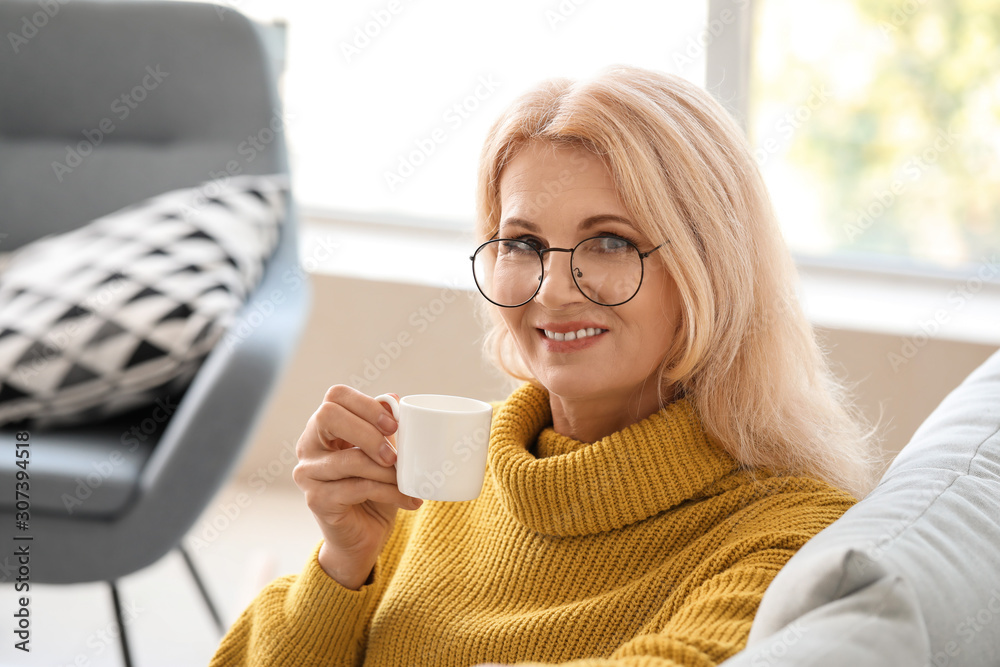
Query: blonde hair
{"x": 744, "y": 353}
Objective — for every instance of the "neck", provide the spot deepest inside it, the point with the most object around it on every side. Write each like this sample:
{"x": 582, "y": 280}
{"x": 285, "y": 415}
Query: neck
{"x": 595, "y": 417}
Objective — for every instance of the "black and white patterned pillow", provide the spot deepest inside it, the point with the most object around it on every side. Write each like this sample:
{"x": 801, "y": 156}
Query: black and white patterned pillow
{"x": 112, "y": 315}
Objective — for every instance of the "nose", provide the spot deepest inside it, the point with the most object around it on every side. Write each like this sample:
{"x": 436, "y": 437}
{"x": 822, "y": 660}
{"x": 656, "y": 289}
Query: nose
{"x": 558, "y": 288}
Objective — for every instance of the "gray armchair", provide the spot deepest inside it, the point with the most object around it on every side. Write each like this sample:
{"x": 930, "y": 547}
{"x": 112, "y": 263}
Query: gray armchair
{"x": 209, "y": 104}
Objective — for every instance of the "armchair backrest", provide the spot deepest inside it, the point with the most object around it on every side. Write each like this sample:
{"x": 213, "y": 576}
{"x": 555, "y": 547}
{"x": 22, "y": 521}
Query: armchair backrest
{"x": 209, "y": 108}
{"x": 103, "y": 104}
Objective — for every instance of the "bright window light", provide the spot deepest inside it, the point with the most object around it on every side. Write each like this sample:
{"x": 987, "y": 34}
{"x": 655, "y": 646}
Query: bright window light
{"x": 388, "y": 102}
{"x": 877, "y": 126}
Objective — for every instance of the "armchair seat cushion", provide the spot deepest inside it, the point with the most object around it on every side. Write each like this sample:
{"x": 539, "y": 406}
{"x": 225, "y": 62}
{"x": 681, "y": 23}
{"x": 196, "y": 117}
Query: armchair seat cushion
{"x": 87, "y": 471}
{"x": 108, "y": 317}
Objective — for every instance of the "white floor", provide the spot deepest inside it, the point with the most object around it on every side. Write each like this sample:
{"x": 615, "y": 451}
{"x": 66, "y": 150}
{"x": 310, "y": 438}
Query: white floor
{"x": 237, "y": 550}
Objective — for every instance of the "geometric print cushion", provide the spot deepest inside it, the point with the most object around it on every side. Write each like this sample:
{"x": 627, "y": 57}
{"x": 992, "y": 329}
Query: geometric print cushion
{"x": 112, "y": 315}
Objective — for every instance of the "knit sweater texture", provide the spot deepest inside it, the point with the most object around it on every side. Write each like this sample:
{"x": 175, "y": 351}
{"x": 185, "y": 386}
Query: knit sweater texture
{"x": 650, "y": 547}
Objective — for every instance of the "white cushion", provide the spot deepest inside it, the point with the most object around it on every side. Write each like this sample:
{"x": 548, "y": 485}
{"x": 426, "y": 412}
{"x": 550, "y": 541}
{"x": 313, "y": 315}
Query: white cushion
{"x": 911, "y": 574}
{"x": 109, "y": 316}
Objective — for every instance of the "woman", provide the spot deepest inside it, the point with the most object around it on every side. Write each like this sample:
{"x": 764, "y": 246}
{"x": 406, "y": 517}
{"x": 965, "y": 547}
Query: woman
{"x": 678, "y": 438}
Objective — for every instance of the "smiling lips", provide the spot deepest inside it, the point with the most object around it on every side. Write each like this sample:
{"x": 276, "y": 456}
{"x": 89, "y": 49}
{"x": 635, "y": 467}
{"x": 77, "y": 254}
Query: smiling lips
{"x": 573, "y": 335}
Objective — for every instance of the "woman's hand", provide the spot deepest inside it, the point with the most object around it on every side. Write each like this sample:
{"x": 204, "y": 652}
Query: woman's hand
{"x": 345, "y": 469}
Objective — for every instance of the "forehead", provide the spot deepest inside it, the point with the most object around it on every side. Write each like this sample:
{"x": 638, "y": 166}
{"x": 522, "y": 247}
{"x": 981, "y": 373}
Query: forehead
{"x": 543, "y": 171}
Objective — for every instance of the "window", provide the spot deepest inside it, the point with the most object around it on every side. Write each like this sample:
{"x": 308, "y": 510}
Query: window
{"x": 877, "y": 126}
{"x": 388, "y": 102}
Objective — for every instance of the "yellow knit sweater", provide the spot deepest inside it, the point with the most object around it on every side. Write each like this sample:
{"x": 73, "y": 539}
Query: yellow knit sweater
{"x": 650, "y": 547}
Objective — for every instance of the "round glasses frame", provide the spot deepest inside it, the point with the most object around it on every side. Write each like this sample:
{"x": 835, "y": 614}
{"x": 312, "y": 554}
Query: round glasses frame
{"x": 573, "y": 269}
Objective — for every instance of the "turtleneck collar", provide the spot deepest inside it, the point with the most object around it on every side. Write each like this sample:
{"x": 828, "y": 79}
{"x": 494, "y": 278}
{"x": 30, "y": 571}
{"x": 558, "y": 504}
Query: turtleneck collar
{"x": 577, "y": 488}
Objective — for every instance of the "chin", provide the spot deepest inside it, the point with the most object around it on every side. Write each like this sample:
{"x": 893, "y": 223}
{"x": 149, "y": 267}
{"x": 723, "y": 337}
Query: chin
{"x": 572, "y": 384}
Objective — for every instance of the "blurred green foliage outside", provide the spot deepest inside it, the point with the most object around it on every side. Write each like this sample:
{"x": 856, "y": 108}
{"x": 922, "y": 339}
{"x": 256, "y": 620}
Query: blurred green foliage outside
{"x": 877, "y": 125}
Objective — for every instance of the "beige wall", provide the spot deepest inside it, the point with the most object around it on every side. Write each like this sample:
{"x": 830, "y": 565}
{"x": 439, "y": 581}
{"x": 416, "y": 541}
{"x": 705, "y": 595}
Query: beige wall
{"x": 410, "y": 339}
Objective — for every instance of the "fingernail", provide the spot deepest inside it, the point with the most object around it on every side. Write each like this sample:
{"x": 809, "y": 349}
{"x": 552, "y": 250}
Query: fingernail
{"x": 386, "y": 424}
{"x": 416, "y": 502}
{"x": 388, "y": 454}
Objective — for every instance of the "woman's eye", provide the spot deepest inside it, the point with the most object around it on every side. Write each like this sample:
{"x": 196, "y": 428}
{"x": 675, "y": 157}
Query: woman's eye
{"x": 519, "y": 246}
{"x": 531, "y": 241}
{"x": 612, "y": 243}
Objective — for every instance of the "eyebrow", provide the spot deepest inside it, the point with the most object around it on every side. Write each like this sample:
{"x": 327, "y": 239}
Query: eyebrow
{"x": 587, "y": 223}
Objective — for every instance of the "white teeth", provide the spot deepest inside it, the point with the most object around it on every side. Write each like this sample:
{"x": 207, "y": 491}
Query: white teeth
{"x": 573, "y": 335}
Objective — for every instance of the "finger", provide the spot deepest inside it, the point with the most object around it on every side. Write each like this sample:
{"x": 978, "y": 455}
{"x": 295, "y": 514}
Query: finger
{"x": 353, "y": 462}
{"x": 363, "y": 405}
{"x": 335, "y": 427}
{"x": 333, "y": 497}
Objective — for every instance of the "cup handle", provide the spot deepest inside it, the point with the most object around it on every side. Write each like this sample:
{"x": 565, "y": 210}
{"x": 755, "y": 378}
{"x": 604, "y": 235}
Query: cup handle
{"x": 392, "y": 402}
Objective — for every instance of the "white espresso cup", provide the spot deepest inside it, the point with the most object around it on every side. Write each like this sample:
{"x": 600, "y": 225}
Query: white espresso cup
{"x": 441, "y": 445}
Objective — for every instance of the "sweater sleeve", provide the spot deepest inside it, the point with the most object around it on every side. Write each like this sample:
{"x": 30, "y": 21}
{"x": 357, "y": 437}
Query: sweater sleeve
{"x": 712, "y": 621}
{"x": 710, "y": 627}
{"x": 310, "y": 619}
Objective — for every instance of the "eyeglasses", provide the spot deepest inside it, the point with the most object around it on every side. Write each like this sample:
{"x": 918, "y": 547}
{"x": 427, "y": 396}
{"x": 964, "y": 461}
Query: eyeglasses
{"x": 608, "y": 270}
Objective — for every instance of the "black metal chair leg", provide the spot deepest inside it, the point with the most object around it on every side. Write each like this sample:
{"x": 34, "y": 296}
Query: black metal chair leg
{"x": 202, "y": 589}
{"x": 121, "y": 624}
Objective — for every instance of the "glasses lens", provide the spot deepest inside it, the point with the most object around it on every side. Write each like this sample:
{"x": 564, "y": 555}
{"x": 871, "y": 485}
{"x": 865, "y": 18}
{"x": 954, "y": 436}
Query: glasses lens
{"x": 507, "y": 272}
{"x": 607, "y": 269}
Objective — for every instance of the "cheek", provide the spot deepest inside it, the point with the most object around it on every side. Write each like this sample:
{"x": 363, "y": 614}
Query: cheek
{"x": 665, "y": 300}
{"x": 660, "y": 319}
{"x": 514, "y": 323}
